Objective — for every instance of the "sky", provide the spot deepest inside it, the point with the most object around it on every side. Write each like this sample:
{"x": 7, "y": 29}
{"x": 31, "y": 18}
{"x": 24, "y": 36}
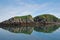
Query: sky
{"x": 11, "y": 8}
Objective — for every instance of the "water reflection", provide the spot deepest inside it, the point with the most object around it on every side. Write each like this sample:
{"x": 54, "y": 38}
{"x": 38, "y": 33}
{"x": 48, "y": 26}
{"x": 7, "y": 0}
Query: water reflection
{"x": 29, "y": 29}
{"x": 46, "y": 28}
{"x": 25, "y": 30}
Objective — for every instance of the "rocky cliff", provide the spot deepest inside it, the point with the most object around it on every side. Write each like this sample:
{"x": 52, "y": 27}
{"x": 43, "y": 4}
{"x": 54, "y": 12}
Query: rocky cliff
{"x": 20, "y": 19}
{"x": 45, "y": 18}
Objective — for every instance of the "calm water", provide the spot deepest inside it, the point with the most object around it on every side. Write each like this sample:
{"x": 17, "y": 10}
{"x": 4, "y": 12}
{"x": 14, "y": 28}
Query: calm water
{"x": 43, "y": 32}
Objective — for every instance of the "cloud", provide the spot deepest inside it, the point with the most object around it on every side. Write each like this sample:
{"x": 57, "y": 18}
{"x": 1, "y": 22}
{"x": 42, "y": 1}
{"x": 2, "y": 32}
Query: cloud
{"x": 27, "y": 9}
{"x": 21, "y": 7}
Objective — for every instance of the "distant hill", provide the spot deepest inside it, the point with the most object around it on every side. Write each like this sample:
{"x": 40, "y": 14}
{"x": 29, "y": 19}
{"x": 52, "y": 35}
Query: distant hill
{"x": 45, "y": 18}
{"x": 20, "y": 19}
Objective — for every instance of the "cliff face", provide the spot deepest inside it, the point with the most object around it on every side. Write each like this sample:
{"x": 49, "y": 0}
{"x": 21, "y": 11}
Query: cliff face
{"x": 20, "y": 19}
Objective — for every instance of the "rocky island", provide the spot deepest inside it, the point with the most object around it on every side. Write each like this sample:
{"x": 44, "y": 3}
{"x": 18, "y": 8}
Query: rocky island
{"x": 28, "y": 19}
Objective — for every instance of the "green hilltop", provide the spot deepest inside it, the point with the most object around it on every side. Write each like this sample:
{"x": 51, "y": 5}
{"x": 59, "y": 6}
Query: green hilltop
{"x": 23, "y": 17}
{"x": 46, "y": 17}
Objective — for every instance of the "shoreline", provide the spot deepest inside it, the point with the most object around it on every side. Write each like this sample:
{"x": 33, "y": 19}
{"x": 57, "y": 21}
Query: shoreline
{"x": 31, "y": 23}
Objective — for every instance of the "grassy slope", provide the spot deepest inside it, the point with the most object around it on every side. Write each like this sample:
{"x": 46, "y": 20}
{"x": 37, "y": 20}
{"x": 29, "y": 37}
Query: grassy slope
{"x": 48, "y": 17}
{"x": 23, "y": 17}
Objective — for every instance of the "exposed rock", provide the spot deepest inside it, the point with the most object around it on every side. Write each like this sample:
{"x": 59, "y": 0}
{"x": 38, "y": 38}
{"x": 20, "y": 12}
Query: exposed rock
{"x": 20, "y": 19}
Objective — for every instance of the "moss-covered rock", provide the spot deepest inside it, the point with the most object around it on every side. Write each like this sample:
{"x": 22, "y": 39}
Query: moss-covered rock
{"x": 45, "y": 18}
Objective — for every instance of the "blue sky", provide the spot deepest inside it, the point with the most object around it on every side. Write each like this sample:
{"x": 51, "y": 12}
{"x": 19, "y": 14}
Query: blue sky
{"x": 11, "y": 8}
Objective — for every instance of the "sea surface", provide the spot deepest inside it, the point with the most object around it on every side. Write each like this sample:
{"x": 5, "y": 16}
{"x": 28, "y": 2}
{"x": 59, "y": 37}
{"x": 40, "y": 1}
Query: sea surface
{"x": 42, "y": 32}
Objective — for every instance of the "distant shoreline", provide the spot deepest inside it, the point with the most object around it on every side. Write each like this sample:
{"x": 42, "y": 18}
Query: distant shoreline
{"x": 32, "y": 23}
{"x": 29, "y": 20}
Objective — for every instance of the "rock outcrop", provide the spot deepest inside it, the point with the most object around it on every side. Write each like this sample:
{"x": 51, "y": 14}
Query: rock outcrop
{"x": 45, "y": 18}
{"x": 20, "y": 19}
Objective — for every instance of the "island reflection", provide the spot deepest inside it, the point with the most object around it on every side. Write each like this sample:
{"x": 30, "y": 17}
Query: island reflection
{"x": 29, "y": 29}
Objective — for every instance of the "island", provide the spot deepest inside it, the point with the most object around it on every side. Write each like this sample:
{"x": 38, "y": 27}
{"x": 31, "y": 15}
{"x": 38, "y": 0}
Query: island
{"x": 29, "y": 20}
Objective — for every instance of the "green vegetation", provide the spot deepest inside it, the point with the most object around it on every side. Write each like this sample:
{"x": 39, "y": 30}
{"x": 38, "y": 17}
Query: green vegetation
{"x": 59, "y": 20}
{"x": 24, "y": 17}
{"x": 46, "y": 18}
